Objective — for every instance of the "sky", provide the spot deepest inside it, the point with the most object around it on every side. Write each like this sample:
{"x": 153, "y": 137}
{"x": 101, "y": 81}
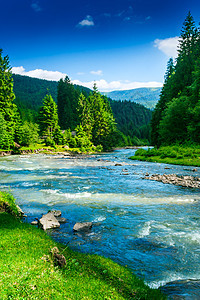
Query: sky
{"x": 121, "y": 44}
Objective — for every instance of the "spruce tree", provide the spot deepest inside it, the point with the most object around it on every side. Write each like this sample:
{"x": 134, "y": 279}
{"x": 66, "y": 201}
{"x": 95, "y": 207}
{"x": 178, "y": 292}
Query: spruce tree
{"x": 165, "y": 97}
{"x": 67, "y": 104}
{"x": 48, "y": 117}
{"x": 8, "y": 109}
{"x": 175, "y": 118}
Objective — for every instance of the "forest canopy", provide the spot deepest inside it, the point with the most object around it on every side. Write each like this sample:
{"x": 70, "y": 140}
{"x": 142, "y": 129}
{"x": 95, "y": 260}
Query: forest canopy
{"x": 176, "y": 118}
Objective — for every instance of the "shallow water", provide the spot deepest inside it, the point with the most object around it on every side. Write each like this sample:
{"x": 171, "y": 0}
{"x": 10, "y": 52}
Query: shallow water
{"x": 153, "y": 228}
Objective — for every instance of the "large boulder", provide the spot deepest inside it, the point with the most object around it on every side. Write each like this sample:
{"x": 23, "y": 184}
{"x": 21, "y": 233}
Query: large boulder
{"x": 48, "y": 221}
{"x": 84, "y": 226}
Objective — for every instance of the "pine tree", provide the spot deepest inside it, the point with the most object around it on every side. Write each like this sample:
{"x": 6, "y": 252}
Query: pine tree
{"x": 8, "y": 109}
{"x": 85, "y": 115}
{"x": 176, "y": 114}
{"x": 67, "y": 104}
{"x": 48, "y": 117}
{"x": 165, "y": 97}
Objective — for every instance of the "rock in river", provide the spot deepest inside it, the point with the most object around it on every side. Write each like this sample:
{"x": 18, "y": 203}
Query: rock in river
{"x": 48, "y": 221}
{"x": 84, "y": 226}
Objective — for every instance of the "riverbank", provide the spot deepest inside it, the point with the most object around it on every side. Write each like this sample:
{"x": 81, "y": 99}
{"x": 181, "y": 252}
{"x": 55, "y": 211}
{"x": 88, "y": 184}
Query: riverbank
{"x": 29, "y": 269}
{"x": 41, "y": 148}
{"x": 176, "y": 155}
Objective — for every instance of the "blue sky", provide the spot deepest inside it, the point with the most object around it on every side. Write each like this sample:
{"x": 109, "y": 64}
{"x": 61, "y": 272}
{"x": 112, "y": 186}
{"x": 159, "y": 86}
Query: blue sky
{"x": 120, "y": 44}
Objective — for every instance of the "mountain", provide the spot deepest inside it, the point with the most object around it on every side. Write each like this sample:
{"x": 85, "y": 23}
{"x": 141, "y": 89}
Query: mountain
{"x": 145, "y": 96}
{"x": 31, "y": 91}
{"x": 132, "y": 119}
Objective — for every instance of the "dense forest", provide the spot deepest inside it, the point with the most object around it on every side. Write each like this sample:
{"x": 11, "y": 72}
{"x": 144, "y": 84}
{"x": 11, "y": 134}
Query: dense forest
{"x": 61, "y": 113}
{"x": 176, "y": 118}
{"x": 132, "y": 119}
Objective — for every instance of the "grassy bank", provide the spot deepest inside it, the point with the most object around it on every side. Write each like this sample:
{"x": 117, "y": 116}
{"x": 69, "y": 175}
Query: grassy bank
{"x": 177, "y": 155}
{"x": 42, "y": 148}
{"x": 28, "y": 270}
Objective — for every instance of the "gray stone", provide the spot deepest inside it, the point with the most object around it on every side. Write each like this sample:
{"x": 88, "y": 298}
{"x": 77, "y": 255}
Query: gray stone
{"x": 34, "y": 223}
{"x": 56, "y": 213}
{"x": 185, "y": 181}
{"x": 48, "y": 221}
{"x": 20, "y": 211}
{"x": 61, "y": 220}
{"x": 84, "y": 226}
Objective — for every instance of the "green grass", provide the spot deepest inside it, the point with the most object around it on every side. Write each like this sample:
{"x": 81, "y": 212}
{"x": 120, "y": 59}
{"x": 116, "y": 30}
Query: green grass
{"x": 42, "y": 148}
{"x": 28, "y": 272}
{"x": 177, "y": 155}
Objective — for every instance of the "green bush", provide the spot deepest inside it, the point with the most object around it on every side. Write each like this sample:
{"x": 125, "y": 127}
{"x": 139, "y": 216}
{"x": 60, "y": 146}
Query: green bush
{"x": 50, "y": 142}
{"x": 27, "y": 134}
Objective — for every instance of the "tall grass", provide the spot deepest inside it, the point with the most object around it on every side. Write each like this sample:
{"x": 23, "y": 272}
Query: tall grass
{"x": 180, "y": 155}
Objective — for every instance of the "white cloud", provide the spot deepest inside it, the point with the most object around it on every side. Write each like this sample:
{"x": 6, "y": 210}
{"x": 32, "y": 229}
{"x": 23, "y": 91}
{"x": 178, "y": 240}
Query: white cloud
{"x": 167, "y": 46}
{"x": 88, "y": 21}
{"x": 39, "y": 73}
{"x": 99, "y": 72}
{"x": 105, "y": 86}
{"x": 102, "y": 84}
{"x": 36, "y": 7}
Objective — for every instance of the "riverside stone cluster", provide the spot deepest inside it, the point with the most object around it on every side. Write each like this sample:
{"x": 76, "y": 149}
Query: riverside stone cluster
{"x": 185, "y": 181}
{"x": 53, "y": 219}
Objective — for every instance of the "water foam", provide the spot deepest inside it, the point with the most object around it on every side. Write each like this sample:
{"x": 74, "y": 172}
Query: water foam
{"x": 145, "y": 231}
{"x": 99, "y": 219}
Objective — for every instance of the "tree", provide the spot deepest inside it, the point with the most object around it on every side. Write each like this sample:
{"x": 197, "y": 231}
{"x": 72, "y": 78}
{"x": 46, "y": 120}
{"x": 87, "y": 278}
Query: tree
{"x": 27, "y": 134}
{"x": 8, "y": 109}
{"x": 85, "y": 115}
{"x": 6, "y": 139}
{"x": 67, "y": 104}
{"x": 96, "y": 119}
{"x": 173, "y": 125}
{"x": 176, "y": 116}
{"x": 165, "y": 97}
{"x": 48, "y": 117}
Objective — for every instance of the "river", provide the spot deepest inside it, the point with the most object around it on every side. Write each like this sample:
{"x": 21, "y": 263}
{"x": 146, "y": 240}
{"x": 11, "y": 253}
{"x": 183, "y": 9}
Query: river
{"x": 151, "y": 227}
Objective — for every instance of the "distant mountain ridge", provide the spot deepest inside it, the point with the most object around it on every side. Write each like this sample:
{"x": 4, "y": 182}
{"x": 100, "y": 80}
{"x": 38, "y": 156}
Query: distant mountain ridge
{"x": 144, "y": 96}
{"x": 31, "y": 91}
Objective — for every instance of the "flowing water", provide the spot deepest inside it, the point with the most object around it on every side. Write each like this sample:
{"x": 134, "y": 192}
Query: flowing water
{"x": 151, "y": 227}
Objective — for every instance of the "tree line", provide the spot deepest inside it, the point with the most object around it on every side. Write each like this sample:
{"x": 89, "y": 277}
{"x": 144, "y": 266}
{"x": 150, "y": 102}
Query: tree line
{"x": 176, "y": 118}
{"x": 89, "y": 116}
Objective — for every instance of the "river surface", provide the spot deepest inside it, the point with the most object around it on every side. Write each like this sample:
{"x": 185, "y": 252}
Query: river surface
{"x": 151, "y": 227}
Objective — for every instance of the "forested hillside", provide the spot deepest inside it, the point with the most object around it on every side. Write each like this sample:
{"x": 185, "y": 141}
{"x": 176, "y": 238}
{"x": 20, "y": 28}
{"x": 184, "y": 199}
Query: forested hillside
{"x": 89, "y": 115}
{"x": 176, "y": 118}
{"x": 30, "y": 92}
{"x": 144, "y": 96}
{"x": 132, "y": 119}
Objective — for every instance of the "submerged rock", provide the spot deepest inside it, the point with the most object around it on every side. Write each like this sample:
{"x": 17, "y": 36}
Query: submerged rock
{"x": 49, "y": 221}
{"x": 61, "y": 220}
{"x": 84, "y": 226}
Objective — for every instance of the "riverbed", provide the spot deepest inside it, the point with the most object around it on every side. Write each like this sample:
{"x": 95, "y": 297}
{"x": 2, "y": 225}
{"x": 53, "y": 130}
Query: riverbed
{"x": 151, "y": 227}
